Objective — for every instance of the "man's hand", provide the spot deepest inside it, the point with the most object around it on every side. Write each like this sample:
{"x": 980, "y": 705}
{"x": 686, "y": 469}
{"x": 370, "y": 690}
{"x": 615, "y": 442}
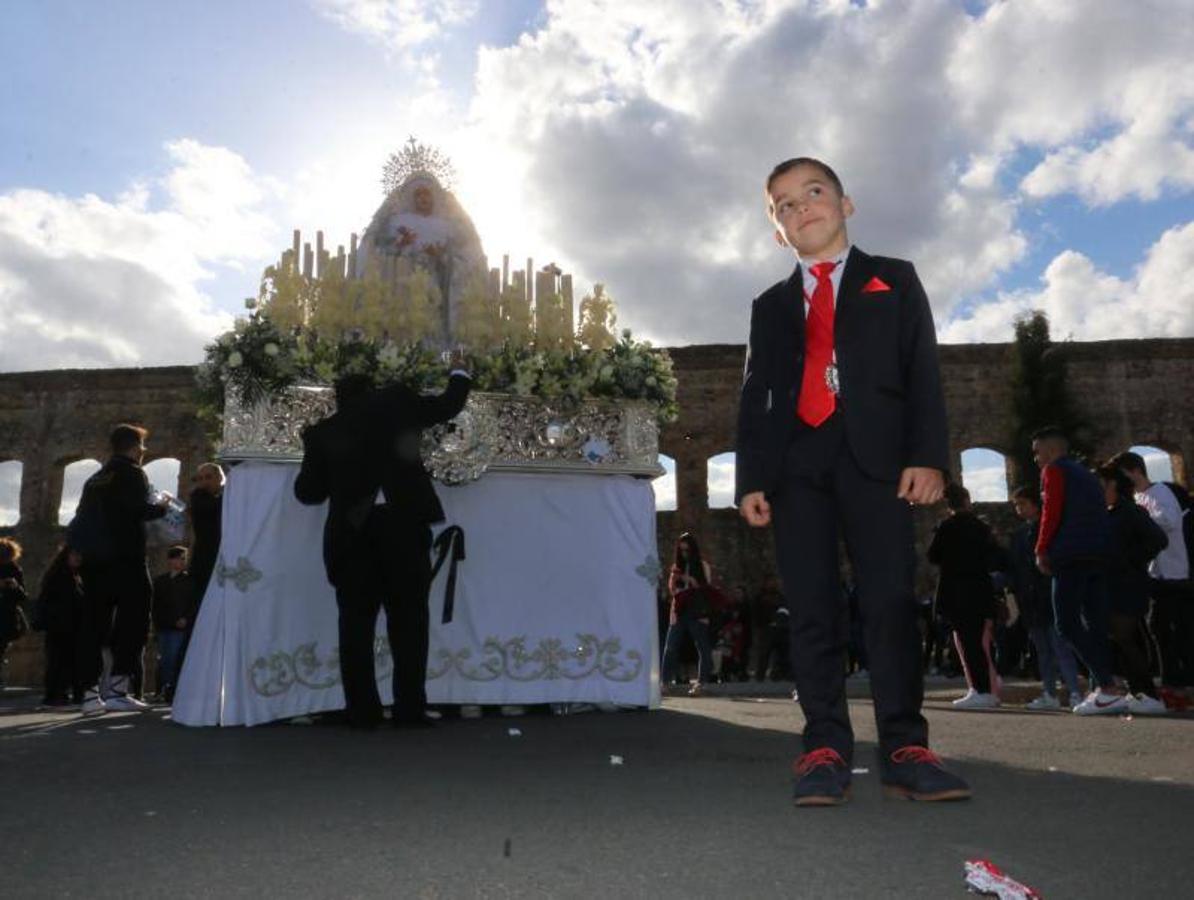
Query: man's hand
{"x": 1042, "y": 563}
{"x": 456, "y": 360}
{"x": 921, "y": 486}
{"x": 755, "y": 509}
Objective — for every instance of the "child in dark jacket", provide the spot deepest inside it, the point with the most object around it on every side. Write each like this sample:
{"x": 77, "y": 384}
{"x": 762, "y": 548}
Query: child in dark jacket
{"x": 174, "y": 606}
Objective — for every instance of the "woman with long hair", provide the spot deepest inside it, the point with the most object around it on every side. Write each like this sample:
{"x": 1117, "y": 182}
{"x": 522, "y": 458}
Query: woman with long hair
{"x": 691, "y": 593}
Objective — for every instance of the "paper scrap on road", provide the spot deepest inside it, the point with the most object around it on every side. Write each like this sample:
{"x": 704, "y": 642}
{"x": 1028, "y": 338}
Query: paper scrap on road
{"x": 984, "y": 877}
{"x": 860, "y": 770}
{"x": 514, "y": 732}
{"x": 615, "y": 760}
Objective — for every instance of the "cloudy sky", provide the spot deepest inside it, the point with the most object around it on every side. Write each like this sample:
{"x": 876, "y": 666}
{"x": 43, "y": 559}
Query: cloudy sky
{"x": 154, "y": 157}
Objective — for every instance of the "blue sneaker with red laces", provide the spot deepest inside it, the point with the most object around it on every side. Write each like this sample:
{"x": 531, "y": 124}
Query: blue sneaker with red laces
{"x": 822, "y": 778}
{"x": 917, "y": 773}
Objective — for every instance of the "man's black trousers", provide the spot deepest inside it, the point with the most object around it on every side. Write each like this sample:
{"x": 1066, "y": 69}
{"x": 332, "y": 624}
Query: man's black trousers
{"x": 116, "y": 599}
{"x": 824, "y": 494}
{"x": 390, "y": 567}
{"x": 1173, "y": 627}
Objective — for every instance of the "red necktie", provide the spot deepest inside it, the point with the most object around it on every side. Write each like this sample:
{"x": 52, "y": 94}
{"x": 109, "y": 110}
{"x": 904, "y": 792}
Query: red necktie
{"x": 817, "y": 402}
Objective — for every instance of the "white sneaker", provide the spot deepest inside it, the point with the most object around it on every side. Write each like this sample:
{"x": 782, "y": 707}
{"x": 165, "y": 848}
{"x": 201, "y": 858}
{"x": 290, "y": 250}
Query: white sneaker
{"x": 1144, "y": 705}
{"x": 124, "y": 703}
{"x": 1099, "y": 703}
{"x": 965, "y": 698}
{"x": 1044, "y": 701}
{"x": 92, "y": 703}
{"x": 1077, "y": 698}
{"x": 117, "y": 696}
{"x": 975, "y": 700}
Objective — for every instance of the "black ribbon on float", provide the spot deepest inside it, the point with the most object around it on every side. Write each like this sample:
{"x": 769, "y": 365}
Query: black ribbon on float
{"x": 449, "y": 543}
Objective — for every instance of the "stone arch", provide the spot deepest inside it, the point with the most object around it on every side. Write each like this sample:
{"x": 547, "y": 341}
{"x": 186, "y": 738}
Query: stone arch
{"x": 719, "y": 469}
{"x": 687, "y": 450}
{"x": 665, "y": 485}
{"x": 986, "y": 473}
{"x": 72, "y": 473}
{"x": 11, "y": 472}
{"x": 1164, "y": 463}
{"x": 165, "y": 473}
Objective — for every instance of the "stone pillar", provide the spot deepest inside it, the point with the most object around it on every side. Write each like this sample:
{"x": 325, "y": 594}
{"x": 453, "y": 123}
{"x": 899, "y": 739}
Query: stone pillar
{"x": 692, "y": 486}
{"x": 1015, "y": 477}
{"x": 955, "y": 464}
{"x": 1180, "y": 457}
{"x": 41, "y": 489}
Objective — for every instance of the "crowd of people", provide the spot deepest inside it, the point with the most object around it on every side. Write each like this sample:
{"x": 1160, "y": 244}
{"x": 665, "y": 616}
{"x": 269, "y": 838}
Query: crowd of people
{"x": 1097, "y": 577}
{"x": 97, "y": 604}
{"x": 1103, "y": 601}
{"x": 729, "y": 635}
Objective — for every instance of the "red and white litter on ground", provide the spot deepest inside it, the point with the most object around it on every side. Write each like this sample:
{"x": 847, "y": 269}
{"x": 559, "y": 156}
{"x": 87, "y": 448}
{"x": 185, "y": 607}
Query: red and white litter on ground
{"x": 984, "y": 877}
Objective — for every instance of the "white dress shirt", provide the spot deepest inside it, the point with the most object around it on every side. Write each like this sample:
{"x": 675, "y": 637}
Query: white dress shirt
{"x": 835, "y": 277}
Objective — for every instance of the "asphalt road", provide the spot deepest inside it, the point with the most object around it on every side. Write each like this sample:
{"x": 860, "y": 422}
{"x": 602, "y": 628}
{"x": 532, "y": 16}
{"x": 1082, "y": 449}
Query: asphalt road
{"x": 131, "y": 805}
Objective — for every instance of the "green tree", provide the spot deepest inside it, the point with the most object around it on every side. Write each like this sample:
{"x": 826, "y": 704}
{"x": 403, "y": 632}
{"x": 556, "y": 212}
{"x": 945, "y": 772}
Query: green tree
{"x": 1040, "y": 395}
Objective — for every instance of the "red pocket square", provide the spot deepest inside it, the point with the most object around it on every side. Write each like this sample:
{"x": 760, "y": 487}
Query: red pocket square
{"x": 875, "y": 285}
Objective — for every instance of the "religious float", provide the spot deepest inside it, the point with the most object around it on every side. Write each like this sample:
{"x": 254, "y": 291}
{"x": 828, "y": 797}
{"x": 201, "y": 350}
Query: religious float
{"x": 544, "y": 476}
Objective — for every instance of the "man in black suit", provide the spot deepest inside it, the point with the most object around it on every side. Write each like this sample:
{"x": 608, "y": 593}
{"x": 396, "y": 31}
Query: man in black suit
{"x": 364, "y": 459}
{"x": 842, "y": 425}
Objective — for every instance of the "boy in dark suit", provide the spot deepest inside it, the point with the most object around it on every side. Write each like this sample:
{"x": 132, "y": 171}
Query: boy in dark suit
{"x": 842, "y": 426}
{"x": 364, "y": 460}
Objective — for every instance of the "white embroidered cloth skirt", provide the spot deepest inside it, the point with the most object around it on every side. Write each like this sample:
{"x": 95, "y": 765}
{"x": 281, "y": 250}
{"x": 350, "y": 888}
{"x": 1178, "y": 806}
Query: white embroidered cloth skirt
{"x": 555, "y": 602}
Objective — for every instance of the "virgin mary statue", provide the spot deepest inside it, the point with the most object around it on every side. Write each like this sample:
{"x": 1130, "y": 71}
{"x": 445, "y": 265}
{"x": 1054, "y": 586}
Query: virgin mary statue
{"x": 421, "y": 225}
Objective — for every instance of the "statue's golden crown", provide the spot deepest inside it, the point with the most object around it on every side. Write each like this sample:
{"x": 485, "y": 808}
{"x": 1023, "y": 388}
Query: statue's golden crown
{"x": 416, "y": 159}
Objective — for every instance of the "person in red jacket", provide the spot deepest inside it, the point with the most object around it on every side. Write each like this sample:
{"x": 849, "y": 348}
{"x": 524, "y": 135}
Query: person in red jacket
{"x": 1074, "y": 547}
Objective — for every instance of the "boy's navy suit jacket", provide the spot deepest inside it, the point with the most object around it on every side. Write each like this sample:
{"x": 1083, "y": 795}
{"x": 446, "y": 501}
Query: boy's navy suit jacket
{"x": 891, "y": 401}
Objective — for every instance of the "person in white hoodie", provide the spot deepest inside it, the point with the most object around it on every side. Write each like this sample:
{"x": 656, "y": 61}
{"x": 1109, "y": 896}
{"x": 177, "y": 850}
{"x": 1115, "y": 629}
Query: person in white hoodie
{"x": 1172, "y": 618}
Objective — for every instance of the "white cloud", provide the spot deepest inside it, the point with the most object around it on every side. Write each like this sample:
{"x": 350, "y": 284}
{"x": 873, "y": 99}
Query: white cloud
{"x": 984, "y": 474}
{"x": 643, "y": 135}
{"x": 73, "y": 478}
{"x": 721, "y": 480}
{"x": 639, "y": 135}
{"x": 986, "y": 485}
{"x": 1086, "y": 303}
{"x": 398, "y": 23}
{"x": 10, "y": 491}
{"x": 87, "y": 281}
{"x": 1106, "y": 89}
{"x": 665, "y": 492}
